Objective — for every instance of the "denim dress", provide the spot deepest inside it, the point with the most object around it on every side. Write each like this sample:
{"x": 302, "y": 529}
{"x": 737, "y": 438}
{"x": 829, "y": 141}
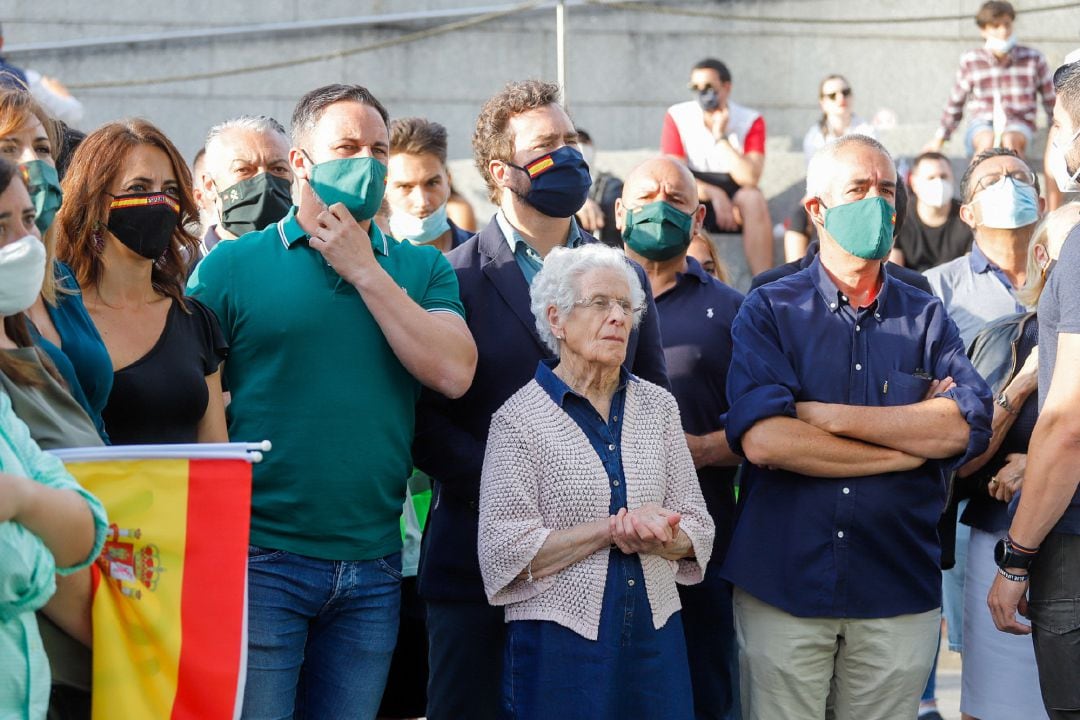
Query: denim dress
{"x": 632, "y": 670}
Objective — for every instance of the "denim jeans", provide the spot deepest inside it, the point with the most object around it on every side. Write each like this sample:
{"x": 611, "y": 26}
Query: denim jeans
{"x": 1055, "y": 618}
{"x": 320, "y": 635}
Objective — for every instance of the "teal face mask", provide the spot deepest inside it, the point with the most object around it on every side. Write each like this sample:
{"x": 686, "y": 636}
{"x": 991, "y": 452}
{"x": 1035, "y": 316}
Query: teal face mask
{"x": 863, "y": 228}
{"x": 657, "y": 231}
{"x": 357, "y": 183}
{"x": 44, "y": 186}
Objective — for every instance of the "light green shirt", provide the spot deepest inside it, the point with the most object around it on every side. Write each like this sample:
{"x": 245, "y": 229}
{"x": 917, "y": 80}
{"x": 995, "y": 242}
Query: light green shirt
{"x": 527, "y": 258}
{"x": 27, "y": 573}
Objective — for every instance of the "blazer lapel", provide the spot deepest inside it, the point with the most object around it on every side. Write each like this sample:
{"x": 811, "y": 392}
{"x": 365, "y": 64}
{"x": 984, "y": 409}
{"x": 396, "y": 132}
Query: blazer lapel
{"x": 502, "y": 270}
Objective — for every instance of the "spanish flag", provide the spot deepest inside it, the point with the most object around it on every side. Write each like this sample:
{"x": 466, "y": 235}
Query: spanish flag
{"x": 169, "y": 607}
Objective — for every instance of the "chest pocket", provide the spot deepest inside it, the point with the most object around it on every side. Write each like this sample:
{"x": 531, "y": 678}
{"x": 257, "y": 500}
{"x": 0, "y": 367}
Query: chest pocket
{"x": 904, "y": 389}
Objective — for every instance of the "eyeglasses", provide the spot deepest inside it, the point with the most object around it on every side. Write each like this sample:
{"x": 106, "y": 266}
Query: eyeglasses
{"x": 846, "y": 92}
{"x": 602, "y": 304}
{"x": 1020, "y": 177}
{"x": 699, "y": 88}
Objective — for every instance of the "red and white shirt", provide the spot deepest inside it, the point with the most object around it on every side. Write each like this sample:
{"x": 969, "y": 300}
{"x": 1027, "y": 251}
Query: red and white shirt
{"x": 685, "y": 135}
{"x": 1015, "y": 79}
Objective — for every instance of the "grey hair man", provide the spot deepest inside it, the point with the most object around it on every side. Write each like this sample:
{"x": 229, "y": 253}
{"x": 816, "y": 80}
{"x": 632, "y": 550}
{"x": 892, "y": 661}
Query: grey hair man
{"x": 851, "y": 397}
{"x": 1039, "y": 558}
{"x": 245, "y": 180}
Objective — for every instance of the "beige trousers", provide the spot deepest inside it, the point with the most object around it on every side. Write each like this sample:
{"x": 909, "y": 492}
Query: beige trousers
{"x": 863, "y": 669}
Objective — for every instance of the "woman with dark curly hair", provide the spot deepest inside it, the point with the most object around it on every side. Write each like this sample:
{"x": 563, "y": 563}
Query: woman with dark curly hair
{"x": 123, "y": 230}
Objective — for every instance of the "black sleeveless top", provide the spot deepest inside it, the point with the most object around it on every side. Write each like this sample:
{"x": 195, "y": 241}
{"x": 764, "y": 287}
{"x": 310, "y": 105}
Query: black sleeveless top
{"x": 162, "y": 396}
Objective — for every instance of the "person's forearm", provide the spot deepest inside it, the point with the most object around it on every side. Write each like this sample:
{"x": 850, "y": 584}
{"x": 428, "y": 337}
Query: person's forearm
{"x": 69, "y": 607}
{"x": 931, "y": 429}
{"x": 711, "y": 450}
{"x": 790, "y": 444}
{"x": 1017, "y": 391}
{"x": 999, "y": 427}
{"x": 63, "y": 521}
{"x": 1050, "y": 480}
{"x": 563, "y": 548}
{"x": 742, "y": 169}
{"x": 436, "y": 348}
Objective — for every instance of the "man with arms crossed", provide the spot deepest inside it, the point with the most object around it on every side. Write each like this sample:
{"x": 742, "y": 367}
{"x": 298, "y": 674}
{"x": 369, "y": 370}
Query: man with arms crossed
{"x": 851, "y": 396}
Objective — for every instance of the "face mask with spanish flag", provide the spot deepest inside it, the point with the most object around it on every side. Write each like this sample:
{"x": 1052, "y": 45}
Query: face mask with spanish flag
{"x": 559, "y": 180}
{"x": 144, "y": 222}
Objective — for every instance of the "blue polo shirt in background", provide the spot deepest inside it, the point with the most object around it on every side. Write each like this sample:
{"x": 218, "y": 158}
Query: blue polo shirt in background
{"x": 695, "y": 326}
{"x": 861, "y": 547}
{"x": 310, "y": 370}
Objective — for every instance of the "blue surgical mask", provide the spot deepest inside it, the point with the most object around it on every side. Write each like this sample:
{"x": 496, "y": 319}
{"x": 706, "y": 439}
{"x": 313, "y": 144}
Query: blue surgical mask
{"x": 1006, "y": 205}
{"x": 417, "y": 230}
{"x": 560, "y": 182}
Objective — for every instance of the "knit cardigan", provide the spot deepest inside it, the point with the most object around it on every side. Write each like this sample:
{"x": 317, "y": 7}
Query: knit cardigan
{"x": 541, "y": 474}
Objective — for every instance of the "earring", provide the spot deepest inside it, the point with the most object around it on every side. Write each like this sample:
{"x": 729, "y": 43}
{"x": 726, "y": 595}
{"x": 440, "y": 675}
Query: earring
{"x": 98, "y": 240}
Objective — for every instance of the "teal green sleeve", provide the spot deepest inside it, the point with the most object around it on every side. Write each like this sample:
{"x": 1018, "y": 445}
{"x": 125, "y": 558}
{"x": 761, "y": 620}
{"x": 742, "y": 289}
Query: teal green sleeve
{"x": 442, "y": 291}
{"x": 49, "y": 470}
{"x": 209, "y": 284}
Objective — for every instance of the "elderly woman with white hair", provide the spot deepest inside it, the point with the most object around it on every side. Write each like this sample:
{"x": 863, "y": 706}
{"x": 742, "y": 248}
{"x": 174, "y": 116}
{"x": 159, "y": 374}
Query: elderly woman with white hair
{"x": 590, "y": 511}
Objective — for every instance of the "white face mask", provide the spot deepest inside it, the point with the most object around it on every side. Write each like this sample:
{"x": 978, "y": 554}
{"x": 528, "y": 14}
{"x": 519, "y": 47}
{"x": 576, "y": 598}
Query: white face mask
{"x": 1059, "y": 167}
{"x": 937, "y": 192}
{"x": 22, "y": 270}
{"x": 418, "y": 231}
{"x": 1000, "y": 47}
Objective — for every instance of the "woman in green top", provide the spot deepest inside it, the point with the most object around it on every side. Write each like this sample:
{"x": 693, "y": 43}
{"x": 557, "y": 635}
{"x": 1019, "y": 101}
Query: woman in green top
{"x": 48, "y": 524}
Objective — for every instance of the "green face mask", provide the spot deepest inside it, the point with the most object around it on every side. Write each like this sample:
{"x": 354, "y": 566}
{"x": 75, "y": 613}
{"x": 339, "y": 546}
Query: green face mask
{"x": 863, "y": 228}
{"x": 358, "y": 183}
{"x": 252, "y": 204}
{"x": 657, "y": 231}
{"x": 44, "y": 186}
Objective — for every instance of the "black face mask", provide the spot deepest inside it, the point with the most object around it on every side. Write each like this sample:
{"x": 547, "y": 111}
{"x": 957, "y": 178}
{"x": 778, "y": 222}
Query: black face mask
{"x": 144, "y": 222}
{"x": 708, "y": 99}
{"x": 252, "y": 204}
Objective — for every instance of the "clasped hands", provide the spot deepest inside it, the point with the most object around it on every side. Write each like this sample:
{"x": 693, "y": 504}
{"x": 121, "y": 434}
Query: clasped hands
{"x": 651, "y": 529}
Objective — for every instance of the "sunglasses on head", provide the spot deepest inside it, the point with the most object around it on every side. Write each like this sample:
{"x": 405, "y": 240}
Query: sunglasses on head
{"x": 846, "y": 92}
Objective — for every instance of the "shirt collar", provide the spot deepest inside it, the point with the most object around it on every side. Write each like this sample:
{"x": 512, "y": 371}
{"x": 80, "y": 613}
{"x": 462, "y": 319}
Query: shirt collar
{"x": 979, "y": 262}
{"x": 515, "y": 240}
{"x": 554, "y": 386}
{"x": 290, "y": 233}
{"x": 834, "y": 299}
{"x": 694, "y": 270}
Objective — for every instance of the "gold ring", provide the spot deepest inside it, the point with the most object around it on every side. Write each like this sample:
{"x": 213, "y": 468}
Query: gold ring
{"x": 994, "y": 480}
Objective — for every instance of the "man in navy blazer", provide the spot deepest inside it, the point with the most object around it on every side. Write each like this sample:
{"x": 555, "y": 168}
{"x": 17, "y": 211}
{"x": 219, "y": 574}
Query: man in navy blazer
{"x": 525, "y": 147}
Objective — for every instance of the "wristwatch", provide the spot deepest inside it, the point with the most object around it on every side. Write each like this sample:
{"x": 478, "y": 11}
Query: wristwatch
{"x": 1007, "y": 556}
{"x": 1003, "y": 402}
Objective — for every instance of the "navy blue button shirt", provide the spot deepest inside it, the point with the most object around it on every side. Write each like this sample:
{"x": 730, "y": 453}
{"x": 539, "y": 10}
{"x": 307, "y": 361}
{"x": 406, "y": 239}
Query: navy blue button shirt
{"x": 859, "y": 547}
{"x": 695, "y": 326}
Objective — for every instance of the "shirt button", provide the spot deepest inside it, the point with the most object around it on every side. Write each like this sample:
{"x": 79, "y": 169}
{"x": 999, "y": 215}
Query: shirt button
{"x": 844, "y": 298}
{"x": 615, "y": 483}
{"x": 615, "y": 418}
{"x": 840, "y": 534}
{"x": 630, "y": 582}
{"x": 858, "y": 366}
{"x": 832, "y": 305}
{"x": 610, "y": 447}
{"x": 877, "y": 316}
{"x": 858, "y": 328}
{"x": 847, "y": 491}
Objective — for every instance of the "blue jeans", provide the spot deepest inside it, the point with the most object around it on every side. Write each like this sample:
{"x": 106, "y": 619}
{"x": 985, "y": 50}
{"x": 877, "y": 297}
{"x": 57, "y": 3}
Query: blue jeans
{"x": 320, "y": 635}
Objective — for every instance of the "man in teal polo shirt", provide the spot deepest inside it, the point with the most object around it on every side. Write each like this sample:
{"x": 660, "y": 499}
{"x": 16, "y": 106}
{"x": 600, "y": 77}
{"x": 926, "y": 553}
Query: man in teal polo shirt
{"x": 332, "y": 328}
